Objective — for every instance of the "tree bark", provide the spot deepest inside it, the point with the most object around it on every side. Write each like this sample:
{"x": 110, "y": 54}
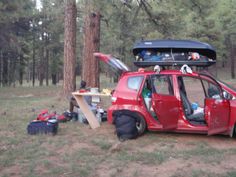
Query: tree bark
{"x": 233, "y": 53}
{"x": 90, "y": 67}
{"x": 33, "y": 67}
{"x": 232, "y": 59}
{"x": 1, "y": 67}
{"x": 47, "y": 67}
{"x": 69, "y": 82}
{"x": 4, "y": 69}
{"x": 54, "y": 79}
{"x": 42, "y": 63}
{"x": 21, "y": 72}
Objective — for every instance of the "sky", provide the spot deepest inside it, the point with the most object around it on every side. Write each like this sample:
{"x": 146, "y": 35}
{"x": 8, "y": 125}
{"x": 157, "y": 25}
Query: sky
{"x": 38, "y": 4}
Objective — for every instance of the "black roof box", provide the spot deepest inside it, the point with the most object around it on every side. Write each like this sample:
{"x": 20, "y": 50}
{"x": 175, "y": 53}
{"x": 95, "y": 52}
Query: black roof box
{"x": 173, "y": 52}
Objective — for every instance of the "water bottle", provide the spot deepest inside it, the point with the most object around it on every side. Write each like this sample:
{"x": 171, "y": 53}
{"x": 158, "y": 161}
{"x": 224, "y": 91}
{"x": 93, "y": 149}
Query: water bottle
{"x": 99, "y": 117}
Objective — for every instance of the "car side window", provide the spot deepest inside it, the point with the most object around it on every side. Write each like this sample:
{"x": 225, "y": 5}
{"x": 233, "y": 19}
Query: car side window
{"x": 162, "y": 84}
{"x": 135, "y": 82}
{"x": 212, "y": 90}
{"x": 192, "y": 89}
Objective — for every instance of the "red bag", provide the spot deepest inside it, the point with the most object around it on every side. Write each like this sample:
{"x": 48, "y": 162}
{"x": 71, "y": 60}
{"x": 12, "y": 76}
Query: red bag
{"x": 44, "y": 115}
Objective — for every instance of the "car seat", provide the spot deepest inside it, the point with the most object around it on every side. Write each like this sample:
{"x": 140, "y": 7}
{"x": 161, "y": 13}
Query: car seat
{"x": 213, "y": 91}
{"x": 188, "y": 110}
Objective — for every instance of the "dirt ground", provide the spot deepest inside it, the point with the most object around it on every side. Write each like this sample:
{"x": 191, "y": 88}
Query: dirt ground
{"x": 167, "y": 155}
{"x": 80, "y": 151}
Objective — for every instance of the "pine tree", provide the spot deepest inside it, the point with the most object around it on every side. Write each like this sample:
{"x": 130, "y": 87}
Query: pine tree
{"x": 69, "y": 47}
{"x": 90, "y": 67}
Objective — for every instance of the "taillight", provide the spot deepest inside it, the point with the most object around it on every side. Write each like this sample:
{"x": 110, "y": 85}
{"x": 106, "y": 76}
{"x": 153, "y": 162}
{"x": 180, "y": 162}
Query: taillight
{"x": 113, "y": 99}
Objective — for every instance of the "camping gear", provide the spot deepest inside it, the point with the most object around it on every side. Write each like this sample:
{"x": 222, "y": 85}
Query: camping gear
{"x": 95, "y": 99}
{"x": 67, "y": 116}
{"x": 43, "y": 127}
{"x": 173, "y": 53}
{"x": 64, "y": 118}
{"x": 125, "y": 124}
{"x": 100, "y": 114}
{"x": 45, "y": 115}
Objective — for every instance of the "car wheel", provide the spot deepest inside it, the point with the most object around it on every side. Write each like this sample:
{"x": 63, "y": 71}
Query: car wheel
{"x": 141, "y": 126}
{"x": 234, "y": 132}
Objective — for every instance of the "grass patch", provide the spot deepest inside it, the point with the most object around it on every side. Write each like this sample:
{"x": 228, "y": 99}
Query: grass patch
{"x": 231, "y": 173}
{"x": 80, "y": 151}
{"x": 102, "y": 143}
{"x": 156, "y": 157}
{"x": 206, "y": 153}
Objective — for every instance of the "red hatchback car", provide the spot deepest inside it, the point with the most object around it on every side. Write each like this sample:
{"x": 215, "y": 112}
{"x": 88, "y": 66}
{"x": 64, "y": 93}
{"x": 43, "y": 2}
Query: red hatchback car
{"x": 173, "y": 100}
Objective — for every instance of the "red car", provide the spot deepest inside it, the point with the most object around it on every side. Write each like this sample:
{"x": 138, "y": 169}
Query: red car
{"x": 176, "y": 100}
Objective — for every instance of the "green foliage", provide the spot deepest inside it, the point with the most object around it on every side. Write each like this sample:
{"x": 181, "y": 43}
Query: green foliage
{"x": 24, "y": 28}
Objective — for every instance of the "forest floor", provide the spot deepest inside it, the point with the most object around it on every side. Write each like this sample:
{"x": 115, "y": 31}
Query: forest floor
{"x": 80, "y": 151}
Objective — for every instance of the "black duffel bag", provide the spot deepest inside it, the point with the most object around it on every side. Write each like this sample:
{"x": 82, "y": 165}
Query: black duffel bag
{"x": 125, "y": 123}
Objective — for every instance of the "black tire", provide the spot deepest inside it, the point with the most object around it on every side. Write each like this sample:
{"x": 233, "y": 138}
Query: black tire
{"x": 141, "y": 125}
{"x": 141, "y": 122}
{"x": 234, "y": 131}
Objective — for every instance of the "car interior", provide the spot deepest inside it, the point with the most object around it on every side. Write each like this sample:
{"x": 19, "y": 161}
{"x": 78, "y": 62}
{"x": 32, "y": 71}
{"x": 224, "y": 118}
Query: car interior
{"x": 147, "y": 101}
{"x": 194, "y": 117}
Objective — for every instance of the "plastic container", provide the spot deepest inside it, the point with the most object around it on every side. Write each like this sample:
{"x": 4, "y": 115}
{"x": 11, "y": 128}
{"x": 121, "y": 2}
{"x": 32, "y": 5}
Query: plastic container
{"x": 194, "y": 106}
{"x": 99, "y": 117}
{"x": 81, "y": 116}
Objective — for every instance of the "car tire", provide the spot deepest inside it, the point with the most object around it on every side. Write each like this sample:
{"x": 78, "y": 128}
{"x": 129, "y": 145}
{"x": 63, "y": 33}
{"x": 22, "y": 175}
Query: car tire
{"x": 141, "y": 125}
{"x": 234, "y": 131}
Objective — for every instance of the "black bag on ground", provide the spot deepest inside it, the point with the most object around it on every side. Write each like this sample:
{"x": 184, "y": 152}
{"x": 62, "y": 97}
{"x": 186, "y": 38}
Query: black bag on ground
{"x": 125, "y": 123}
{"x": 43, "y": 127}
{"x": 69, "y": 116}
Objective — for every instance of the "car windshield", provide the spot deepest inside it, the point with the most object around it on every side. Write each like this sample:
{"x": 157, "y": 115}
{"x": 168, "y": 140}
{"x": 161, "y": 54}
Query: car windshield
{"x": 219, "y": 81}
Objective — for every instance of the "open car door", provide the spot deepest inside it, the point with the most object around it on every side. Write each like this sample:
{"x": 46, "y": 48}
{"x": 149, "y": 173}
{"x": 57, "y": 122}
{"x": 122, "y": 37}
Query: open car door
{"x": 217, "y": 108}
{"x": 116, "y": 65}
{"x": 164, "y": 103}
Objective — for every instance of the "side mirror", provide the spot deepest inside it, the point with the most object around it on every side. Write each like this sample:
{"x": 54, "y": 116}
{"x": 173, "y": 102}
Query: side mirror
{"x": 227, "y": 95}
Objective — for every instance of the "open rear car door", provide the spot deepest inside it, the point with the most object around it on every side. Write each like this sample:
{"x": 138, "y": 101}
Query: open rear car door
{"x": 116, "y": 65}
{"x": 217, "y": 109}
{"x": 164, "y": 103}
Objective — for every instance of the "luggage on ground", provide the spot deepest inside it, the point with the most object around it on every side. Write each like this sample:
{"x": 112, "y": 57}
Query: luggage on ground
{"x": 43, "y": 127}
{"x": 125, "y": 123}
{"x": 45, "y": 115}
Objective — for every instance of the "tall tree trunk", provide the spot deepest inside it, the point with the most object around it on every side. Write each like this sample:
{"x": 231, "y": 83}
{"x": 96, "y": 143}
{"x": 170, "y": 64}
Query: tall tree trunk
{"x": 54, "y": 79}
{"x": 5, "y": 70}
{"x": 233, "y": 53}
{"x": 90, "y": 69}
{"x": 42, "y": 63}
{"x": 33, "y": 67}
{"x": 8, "y": 70}
{"x": 1, "y": 67}
{"x": 13, "y": 71}
{"x": 232, "y": 59}
{"x": 47, "y": 66}
{"x": 21, "y": 72}
{"x": 69, "y": 82}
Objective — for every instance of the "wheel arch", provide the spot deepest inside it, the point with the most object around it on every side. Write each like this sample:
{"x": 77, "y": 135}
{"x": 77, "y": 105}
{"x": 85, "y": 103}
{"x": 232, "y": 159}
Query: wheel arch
{"x": 129, "y": 112}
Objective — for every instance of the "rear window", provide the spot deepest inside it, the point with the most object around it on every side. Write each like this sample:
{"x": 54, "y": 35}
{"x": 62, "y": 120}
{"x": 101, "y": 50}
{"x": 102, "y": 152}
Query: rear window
{"x": 135, "y": 82}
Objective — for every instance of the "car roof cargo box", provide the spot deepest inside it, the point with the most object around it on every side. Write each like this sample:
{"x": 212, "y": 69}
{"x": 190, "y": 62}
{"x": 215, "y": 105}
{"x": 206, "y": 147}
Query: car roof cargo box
{"x": 173, "y": 53}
